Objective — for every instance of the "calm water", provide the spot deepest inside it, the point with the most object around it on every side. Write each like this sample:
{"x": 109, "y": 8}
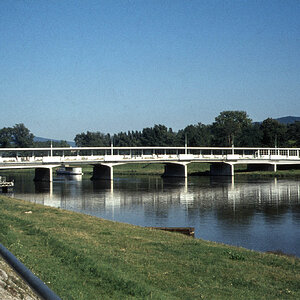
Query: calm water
{"x": 261, "y": 215}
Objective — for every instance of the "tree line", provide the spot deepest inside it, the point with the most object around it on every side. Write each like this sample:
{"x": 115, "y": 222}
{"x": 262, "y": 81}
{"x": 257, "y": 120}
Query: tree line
{"x": 19, "y": 136}
{"x": 229, "y": 128}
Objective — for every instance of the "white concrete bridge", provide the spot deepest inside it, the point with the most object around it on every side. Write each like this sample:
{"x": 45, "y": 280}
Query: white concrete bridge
{"x": 175, "y": 159}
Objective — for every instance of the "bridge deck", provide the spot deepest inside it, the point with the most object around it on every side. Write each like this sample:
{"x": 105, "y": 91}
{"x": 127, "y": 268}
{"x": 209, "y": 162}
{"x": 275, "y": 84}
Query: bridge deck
{"x": 12, "y": 158}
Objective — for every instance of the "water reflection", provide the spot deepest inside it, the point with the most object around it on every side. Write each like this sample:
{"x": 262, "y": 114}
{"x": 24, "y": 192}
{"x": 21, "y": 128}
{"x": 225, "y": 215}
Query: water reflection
{"x": 261, "y": 214}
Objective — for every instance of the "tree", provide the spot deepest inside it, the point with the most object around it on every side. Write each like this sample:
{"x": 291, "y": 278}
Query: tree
{"x": 251, "y": 136}
{"x": 129, "y": 139}
{"x": 197, "y": 135}
{"x": 293, "y": 133}
{"x": 159, "y": 135}
{"x": 22, "y": 137}
{"x": 6, "y": 137}
{"x": 92, "y": 139}
{"x": 274, "y": 134}
{"x": 228, "y": 127}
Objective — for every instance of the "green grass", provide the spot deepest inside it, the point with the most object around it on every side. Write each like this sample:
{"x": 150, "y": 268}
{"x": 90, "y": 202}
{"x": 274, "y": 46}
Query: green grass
{"x": 83, "y": 257}
{"x": 150, "y": 169}
{"x": 139, "y": 169}
{"x": 265, "y": 174}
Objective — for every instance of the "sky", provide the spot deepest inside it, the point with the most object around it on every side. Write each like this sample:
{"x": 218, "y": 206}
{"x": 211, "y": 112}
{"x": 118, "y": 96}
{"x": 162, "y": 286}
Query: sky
{"x": 68, "y": 67}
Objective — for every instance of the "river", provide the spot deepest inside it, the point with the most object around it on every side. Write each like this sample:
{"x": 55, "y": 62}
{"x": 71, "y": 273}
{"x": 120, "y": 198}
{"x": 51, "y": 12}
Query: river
{"x": 260, "y": 214}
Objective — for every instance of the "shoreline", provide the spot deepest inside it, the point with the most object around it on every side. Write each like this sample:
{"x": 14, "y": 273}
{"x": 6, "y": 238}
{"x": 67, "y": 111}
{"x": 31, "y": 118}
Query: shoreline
{"x": 84, "y": 257}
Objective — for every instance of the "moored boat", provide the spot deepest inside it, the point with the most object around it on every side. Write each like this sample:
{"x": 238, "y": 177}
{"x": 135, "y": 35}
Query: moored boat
{"x": 69, "y": 171}
{"x": 5, "y": 186}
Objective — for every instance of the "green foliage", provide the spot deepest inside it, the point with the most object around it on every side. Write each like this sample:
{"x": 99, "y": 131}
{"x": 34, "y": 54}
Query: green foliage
{"x": 251, "y": 136}
{"x": 6, "y": 136}
{"x": 274, "y": 134}
{"x": 92, "y": 139}
{"x": 293, "y": 133}
{"x": 229, "y": 126}
{"x": 197, "y": 135}
{"x": 132, "y": 138}
{"x": 234, "y": 255}
{"x": 159, "y": 135}
{"x": 17, "y": 136}
{"x": 22, "y": 137}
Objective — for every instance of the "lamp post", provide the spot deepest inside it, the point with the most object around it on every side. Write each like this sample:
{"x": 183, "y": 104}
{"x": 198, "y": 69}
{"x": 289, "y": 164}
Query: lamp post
{"x": 185, "y": 143}
{"x": 112, "y": 146}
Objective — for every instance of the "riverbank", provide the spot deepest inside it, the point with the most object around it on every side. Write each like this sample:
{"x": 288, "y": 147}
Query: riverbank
{"x": 12, "y": 287}
{"x": 196, "y": 169}
{"x": 83, "y": 257}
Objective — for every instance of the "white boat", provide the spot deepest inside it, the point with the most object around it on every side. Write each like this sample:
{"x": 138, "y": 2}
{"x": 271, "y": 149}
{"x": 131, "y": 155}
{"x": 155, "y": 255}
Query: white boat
{"x": 5, "y": 186}
{"x": 69, "y": 171}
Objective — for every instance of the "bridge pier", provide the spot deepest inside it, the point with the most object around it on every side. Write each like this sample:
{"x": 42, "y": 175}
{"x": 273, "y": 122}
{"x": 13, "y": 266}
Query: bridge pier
{"x": 175, "y": 170}
{"x": 221, "y": 169}
{"x": 262, "y": 167}
{"x": 104, "y": 172}
{"x": 43, "y": 174}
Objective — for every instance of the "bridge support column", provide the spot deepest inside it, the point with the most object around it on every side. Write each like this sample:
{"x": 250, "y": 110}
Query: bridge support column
{"x": 221, "y": 169}
{"x": 262, "y": 167}
{"x": 103, "y": 172}
{"x": 175, "y": 170}
{"x": 43, "y": 174}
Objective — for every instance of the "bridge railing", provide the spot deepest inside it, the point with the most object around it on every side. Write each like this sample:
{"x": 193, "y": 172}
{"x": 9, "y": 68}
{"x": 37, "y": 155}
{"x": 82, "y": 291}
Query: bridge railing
{"x": 28, "y": 155}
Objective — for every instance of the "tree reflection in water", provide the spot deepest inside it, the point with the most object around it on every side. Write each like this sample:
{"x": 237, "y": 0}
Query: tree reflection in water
{"x": 256, "y": 214}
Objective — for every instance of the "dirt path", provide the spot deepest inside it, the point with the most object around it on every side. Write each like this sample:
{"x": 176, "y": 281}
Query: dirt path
{"x": 12, "y": 287}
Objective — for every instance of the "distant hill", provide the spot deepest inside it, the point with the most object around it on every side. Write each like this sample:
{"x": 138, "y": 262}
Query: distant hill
{"x": 283, "y": 120}
{"x": 41, "y": 139}
{"x": 288, "y": 119}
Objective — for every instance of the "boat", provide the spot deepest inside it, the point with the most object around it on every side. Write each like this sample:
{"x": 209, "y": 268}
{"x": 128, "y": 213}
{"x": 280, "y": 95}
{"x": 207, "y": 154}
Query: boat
{"x": 5, "y": 186}
{"x": 69, "y": 171}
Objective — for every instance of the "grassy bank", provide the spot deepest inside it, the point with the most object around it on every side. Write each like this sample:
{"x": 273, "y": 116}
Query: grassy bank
{"x": 195, "y": 169}
{"x": 156, "y": 169}
{"x": 268, "y": 174}
{"x": 83, "y": 257}
{"x": 150, "y": 169}
{"x": 198, "y": 169}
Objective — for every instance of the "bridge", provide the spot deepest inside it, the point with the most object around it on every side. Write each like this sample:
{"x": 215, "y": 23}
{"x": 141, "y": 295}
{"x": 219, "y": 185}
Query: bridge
{"x": 103, "y": 159}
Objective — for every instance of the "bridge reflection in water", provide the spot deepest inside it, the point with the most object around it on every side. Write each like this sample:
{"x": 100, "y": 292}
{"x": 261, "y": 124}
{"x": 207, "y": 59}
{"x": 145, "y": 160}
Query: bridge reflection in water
{"x": 216, "y": 191}
{"x": 261, "y": 214}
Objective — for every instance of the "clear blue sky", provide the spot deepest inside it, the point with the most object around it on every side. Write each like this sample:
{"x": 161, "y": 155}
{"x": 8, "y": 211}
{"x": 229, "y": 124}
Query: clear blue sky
{"x": 110, "y": 66}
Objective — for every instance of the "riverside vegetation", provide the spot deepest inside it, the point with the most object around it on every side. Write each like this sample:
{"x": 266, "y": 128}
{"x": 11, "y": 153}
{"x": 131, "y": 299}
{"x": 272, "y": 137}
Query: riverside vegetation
{"x": 230, "y": 128}
{"x": 84, "y": 257}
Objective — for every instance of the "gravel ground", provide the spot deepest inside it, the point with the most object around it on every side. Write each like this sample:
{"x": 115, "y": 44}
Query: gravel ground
{"x": 12, "y": 287}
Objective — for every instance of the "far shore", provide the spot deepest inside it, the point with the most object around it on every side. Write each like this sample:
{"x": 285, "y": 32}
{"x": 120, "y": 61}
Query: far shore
{"x": 194, "y": 169}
